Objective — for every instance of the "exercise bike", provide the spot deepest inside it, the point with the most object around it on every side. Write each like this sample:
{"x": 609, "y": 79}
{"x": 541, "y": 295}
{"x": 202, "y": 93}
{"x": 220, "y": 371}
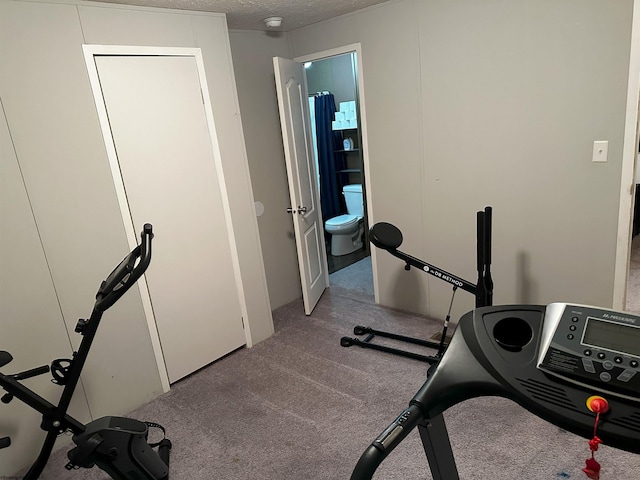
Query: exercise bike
{"x": 117, "y": 445}
{"x": 389, "y": 238}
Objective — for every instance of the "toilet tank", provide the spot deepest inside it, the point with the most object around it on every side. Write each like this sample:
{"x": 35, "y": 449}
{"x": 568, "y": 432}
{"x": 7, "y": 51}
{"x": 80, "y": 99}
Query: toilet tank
{"x": 353, "y": 199}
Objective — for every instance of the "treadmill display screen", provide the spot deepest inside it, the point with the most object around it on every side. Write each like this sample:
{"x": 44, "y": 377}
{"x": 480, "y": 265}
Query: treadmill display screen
{"x": 612, "y": 336}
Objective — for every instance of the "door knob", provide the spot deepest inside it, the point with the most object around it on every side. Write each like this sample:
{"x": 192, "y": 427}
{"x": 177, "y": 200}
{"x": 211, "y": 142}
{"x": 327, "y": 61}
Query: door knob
{"x": 302, "y": 209}
{"x": 290, "y": 210}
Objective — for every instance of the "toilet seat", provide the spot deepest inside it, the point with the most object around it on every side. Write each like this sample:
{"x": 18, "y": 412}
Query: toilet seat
{"x": 342, "y": 221}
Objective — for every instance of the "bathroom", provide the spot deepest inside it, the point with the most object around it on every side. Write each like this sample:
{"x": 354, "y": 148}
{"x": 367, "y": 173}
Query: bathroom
{"x": 334, "y": 80}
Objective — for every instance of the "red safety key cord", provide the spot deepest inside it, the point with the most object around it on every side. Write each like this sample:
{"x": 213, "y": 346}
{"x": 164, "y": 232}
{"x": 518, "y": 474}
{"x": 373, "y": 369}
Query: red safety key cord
{"x": 597, "y": 405}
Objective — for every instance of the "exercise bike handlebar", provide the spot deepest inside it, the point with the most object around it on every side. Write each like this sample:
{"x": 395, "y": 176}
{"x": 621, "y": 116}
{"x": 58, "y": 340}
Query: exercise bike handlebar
{"x": 127, "y": 273}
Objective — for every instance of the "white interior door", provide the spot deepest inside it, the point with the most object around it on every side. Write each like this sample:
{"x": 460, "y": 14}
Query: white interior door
{"x": 293, "y": 104}
{"x": 165, "y": 154}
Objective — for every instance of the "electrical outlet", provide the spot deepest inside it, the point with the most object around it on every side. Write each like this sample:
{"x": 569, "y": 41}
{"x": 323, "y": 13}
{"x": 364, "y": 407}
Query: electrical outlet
{"x": 600, "y": 151}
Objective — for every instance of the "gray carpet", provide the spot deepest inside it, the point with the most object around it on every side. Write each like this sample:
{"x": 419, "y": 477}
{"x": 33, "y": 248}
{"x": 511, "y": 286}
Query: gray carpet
{"x": 299, "y": 406}
{"x": 356, "y": 278}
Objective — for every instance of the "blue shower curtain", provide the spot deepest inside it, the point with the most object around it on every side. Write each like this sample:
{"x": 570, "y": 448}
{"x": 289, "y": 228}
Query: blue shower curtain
{"x": 330, "y": 162}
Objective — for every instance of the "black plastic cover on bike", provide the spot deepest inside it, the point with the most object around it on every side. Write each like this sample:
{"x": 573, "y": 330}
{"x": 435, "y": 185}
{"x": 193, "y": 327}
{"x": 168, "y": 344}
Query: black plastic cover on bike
{"x": 5, "y": 357}
{"x": 125, "y": 275}
{"x": 385, "y": 235}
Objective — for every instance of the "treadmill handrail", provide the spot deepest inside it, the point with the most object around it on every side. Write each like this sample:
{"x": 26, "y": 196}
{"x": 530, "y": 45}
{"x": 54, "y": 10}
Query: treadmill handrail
{"x": 382, "y": 446}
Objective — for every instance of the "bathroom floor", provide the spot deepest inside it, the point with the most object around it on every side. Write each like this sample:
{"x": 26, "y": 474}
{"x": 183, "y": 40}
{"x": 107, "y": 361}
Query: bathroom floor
{"x": 338, "y": 263}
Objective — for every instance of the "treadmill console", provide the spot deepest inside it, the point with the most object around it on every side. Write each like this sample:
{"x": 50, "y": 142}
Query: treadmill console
{"x": 593, "y": 347}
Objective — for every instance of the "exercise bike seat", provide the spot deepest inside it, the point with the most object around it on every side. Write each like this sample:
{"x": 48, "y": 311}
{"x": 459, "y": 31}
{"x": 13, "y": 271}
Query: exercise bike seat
{"x": 385, "y": 235}
{"x": 5, "y": 357}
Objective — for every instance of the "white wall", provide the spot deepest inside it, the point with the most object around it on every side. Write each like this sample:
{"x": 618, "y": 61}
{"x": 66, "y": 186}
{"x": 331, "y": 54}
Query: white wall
{"x": 253, "y": 65}
{"x": 53, "y": 136}
{"x": 32, "y": 327}
{"x": 130, "y": 26}
{"x": 54, "y": 130}
{"x": 334, "y": 74}
{"x": 474, "y": 103}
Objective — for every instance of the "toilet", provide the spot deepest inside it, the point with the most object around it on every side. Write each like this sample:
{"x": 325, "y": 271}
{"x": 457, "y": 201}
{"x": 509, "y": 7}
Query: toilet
{"x": 346, "y": 230}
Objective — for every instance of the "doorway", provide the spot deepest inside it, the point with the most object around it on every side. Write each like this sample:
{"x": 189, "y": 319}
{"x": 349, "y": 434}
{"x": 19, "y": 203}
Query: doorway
{"x": 334, "y": 108}
{"x": 626, "y": 284}
{"x": 632, "y": 303}
{"x": 151, "y": 107}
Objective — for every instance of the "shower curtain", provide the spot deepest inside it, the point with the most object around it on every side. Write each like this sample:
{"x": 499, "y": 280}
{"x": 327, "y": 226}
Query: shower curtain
{"x": 330, "y": 161}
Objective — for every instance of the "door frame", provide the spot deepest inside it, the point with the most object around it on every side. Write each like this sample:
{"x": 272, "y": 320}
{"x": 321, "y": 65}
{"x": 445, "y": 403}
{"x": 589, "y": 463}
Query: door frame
{"x": 627, "y": 181}
{"x": 91, "y": 51}
{"x": 325, "y": 54}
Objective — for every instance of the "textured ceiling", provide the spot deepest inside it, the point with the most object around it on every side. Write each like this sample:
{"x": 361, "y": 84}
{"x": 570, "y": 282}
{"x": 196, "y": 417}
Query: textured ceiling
{"x": 249, "y": 14}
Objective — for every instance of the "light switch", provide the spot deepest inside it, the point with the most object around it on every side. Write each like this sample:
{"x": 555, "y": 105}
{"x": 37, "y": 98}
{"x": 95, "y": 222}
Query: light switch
{"x": 600, "y": 150}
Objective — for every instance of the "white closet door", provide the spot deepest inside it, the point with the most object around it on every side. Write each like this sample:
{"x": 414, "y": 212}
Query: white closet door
{"x": 164, "y": 149}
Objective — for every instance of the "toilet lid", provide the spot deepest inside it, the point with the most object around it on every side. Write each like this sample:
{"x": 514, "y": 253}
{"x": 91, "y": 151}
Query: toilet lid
{"x": 342, "y": 220}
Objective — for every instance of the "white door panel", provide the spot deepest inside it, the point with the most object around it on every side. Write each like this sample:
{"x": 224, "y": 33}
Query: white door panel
{"x": 301, "y": 171}
{"x": 164, "y": 149}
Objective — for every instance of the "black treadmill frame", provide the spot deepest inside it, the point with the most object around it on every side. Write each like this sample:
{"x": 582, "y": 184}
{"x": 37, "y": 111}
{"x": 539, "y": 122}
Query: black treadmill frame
{"x": 470, "y": 369}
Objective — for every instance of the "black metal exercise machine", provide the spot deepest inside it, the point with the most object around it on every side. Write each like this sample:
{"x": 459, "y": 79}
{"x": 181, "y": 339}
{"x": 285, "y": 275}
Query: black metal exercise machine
{"x": 552, "y": 360}
{"x": 117, "y": 445}
{"x": 388, "y": 237}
